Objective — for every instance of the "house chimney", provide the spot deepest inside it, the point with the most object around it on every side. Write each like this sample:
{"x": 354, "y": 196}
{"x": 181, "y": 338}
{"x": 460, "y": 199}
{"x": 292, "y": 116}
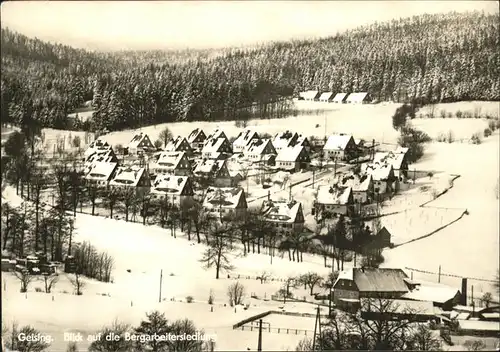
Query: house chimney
{"x": 463, "y": 296}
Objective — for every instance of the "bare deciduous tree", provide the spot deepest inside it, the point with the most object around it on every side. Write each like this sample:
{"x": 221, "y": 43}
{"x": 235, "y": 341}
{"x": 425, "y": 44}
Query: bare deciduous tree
{"x": 235, "y": 293}
{"x": 218, "y": 254}
{"x": 25, "y": 279}
{"x": 311, "y": 280}
{"x": 50, "y": 281}
{"x": 78, "y": 283}
{"x": 263, "y": 276}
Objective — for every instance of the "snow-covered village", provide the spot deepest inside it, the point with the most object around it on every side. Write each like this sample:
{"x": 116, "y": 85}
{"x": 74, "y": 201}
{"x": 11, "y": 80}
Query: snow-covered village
{"x": 280, "y": 213}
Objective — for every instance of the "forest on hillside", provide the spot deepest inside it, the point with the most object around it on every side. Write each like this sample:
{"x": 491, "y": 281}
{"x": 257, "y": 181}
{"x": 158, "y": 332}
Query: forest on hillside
{"x": 429, "y": 58}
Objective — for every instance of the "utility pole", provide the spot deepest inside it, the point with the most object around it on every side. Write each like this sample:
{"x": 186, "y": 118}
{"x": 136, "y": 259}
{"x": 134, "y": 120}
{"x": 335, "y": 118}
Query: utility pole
{"x": 439, "y": 275}
{"x": 161, "y": 279}
{"x": 335, "y": 168}
{"x": 314, "y": 172}
{"x": 317, "y": 330}
{"x": 259, "y": 342}
{"x": 290, "y": 193}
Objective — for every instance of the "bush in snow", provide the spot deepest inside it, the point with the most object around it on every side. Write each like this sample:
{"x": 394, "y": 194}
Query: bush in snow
{"x": 72, "y": 347}
{"x": 235, "y": 293}
{"x": 475, "y": 139}
{"x": 487, "y": 132}
{"x": 211, "y": 297}
{"x": 189, "y": 299}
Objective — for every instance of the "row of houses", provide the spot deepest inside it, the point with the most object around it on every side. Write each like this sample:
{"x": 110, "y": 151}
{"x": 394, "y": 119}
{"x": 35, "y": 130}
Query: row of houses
{"x": 339, "y": 98}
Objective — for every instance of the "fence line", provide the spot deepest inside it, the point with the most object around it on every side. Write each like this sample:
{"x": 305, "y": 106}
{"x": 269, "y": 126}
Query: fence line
{"x": 449, "y": 275}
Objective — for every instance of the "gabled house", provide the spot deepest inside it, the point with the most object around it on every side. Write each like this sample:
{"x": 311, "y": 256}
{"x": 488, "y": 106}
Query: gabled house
{"x": 213, "y": 171}
{"x": 357, "y": 283}
{"x": 293, "y": 158}
{"x": 302, "y": 141}
{"x": 398, "y": 309}
{"x": 340, "y": 147}
{"x": 382, "y": 239}
{"x": 219, "y": 148}
{"x": 359, "y": 98}
{"x": 340, "y": 98}
{"x": 196, "y": 139}
{"x": 101, "y": 155}
{"x": 131, "y": 177}
{"x": 99, "y": 173}
{"x": 140, "y": 143}
{"x": 333, "y": 200}
{"x": 384, "y": 180}
{"x": 311, "y": 95}
{"x": 442, "y": 296}
{"x": 284, "y": 139}
{"x": 397, "y": 159}
{"x": 326, "y": 97}
{"x": 176, "y": 190}
{"x": 218, "y": 133}
{"x": 173, "y": 163}
{"x": 362, "y": 187}
{"x": 180, "y": 144}
{"x": 285, "y": 216}
{"x": 244, "y": 139}
{"x": 225, "y": 201}
{"x": 260, "y": 150}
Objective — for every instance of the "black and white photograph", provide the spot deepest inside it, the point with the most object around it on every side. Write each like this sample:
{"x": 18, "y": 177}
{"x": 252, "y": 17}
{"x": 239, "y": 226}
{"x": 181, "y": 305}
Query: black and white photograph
{"x": 205, "y": 176}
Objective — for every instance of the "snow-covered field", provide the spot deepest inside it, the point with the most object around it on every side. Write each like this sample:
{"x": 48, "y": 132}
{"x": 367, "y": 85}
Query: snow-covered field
{"x": 469, "y": 247}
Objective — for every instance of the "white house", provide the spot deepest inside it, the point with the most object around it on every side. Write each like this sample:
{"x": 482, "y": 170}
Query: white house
{"x": 333, "y": 200}
{"x": 326, "y": 97}
{"x": 340, "y": 98}
{"x": 176, "y": 190}
{"x": 285, "y": 216}
{"x": 131, "y": 176}
{"x": 362, "y": 186}
{"x": 97, "y": 146}
{"x": 260, "y": 150}
{"x": 224, "y": 201}
{"x": 383, "y": 177}
{"x": 173, "y": 163}
{"x": 339, "y": 147}
{"x": 397, "y": 159}
{"x": 219, "y": 148}
{"x": 359, "y": 98}
{"x": 243, "y": 139}
{"x": 215, "y": 171}
{"x": 140, "y": 144}
{"x": 196, "y": 139}
{"x": 99, "y": 173}
{"x": 293, "y": 158}
{"x": 284, "y": 139}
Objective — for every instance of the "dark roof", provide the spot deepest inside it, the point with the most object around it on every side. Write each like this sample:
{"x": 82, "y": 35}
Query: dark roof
{"x": 380, "y": 280}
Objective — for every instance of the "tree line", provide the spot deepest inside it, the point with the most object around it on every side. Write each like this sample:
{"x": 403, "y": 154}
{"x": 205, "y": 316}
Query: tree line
{"x": 427, "y": 58}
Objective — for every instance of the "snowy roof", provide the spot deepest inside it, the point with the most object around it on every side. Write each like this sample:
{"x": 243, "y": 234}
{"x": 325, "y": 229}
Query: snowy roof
{"x": 309, "y": 94}
{"x": 360, "y": 96}
{"x": 97, "y": 146}
{"x": 337, "y": 142}
{"x": 213, "y": 145}
{"x": 357, "y": 183}
{"x": 194, "y": 134}
{"x": 281, "y": 211}
{"x": 257, "y": 146}
{"x": 127, "y": 176}
{"x": 223, "y": 197}
{"x": 168, "y": 184}
{"x": 206, "y": 166}
{"x": 331, "y": 195}
{"x": 105, "y": 155}
{"x": 402, "y": 306}
{"x": 290, "y": 153}
{"x": 376, "y": 279}
{"x": 100, "y": 171}
{"x": 138, "y": 138}
{"x": 245, "y": 137}
{"x": 169, "y": 160}
{"x": 431, "y": 292}
{"x": 283, "y": 139}
{"x": 174, "y": 144}
{"x": 218, "y": 133}
{"x": 379, "y": 171}
{"x": 478, "y": 325}
{"x": 340, "y": 97}
{"x": 326, "y": 96}
{"x": 393, "y": 158}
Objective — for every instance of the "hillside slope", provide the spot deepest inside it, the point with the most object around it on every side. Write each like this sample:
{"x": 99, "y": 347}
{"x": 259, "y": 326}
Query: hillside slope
{"x": 431, "y": 58}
